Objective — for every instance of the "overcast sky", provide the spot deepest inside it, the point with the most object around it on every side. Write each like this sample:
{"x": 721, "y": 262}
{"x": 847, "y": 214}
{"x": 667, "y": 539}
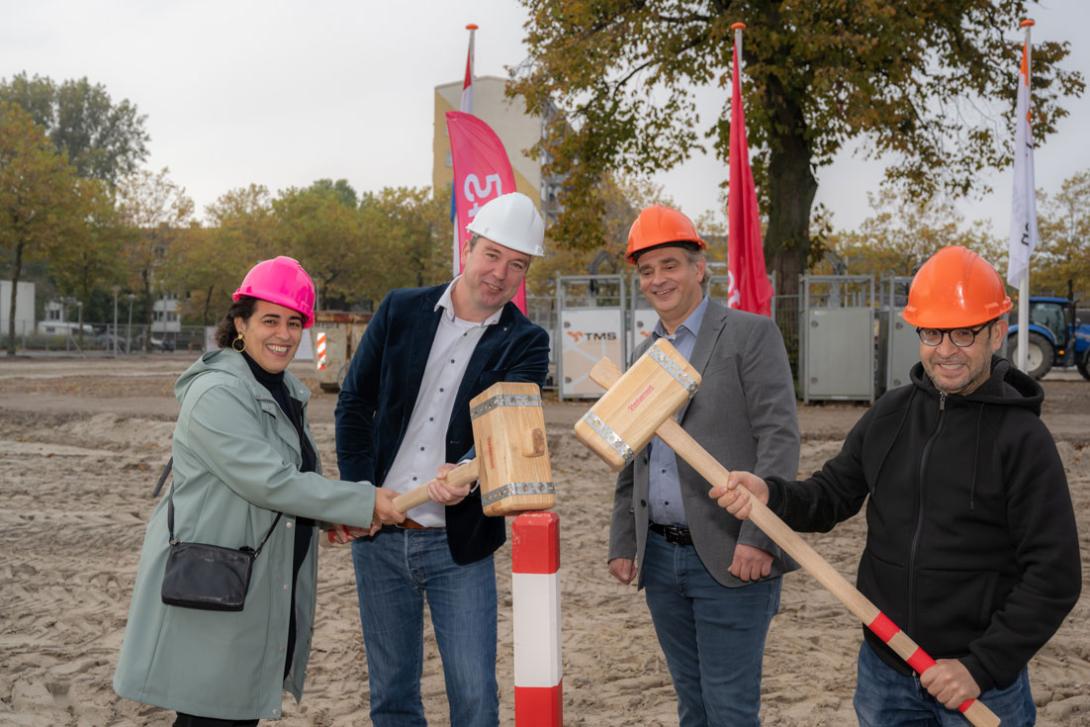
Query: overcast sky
{"x": 283, "y": 93}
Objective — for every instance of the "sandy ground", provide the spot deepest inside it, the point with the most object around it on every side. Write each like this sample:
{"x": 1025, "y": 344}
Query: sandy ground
{"x": 81, "y": 442}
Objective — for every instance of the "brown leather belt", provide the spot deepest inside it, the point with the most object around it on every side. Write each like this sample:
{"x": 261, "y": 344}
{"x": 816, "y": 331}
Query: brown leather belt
{"x": 410, "y": 524}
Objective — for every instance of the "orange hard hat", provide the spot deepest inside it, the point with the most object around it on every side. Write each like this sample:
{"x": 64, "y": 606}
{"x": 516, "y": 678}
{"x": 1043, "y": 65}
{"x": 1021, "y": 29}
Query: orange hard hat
{"x": 955, "y": 288}
{"x": 658, "y": 225}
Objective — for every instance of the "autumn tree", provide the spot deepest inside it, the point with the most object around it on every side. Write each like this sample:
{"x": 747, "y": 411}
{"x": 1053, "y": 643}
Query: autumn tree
{"x": 86, "y": 259}
{"x": 406, "y": 234}
{"x": 920, "y": 83}
{"x": 1064, "y": 250}
{"x": 39, "y": 197}
{"x": 154, "y": 211}
{"x": 320, "y": 227}
{"x": 103, "y": 139}
{"x": 210, "y": 262}
{"x": 902, "y": 232}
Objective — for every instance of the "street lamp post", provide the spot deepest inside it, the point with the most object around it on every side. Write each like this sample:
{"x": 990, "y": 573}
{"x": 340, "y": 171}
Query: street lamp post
{"x": 128, "y": 333}
{"x": 116, "y": 289}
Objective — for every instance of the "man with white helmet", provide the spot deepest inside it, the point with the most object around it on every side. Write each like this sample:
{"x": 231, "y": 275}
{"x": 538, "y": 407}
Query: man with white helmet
{"x": 402, "y": 420}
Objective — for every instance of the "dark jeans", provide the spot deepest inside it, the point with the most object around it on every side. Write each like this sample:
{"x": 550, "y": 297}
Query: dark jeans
{"x": 396, "y": 572}
{"x": 189, "y": 720}
{"x": 884, "y": 697}
{"x": 713, "y": 636}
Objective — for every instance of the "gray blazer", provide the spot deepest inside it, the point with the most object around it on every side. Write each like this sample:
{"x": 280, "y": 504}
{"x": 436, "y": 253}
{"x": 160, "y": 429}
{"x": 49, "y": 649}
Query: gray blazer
{"x": 744, "y": 415}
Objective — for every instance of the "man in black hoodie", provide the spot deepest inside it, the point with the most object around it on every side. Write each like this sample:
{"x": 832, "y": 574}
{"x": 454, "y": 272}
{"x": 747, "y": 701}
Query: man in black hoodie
{"x": 971, "y": 541}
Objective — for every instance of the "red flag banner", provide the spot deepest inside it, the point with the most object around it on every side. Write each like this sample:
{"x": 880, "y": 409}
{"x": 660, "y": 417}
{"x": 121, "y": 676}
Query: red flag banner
{"x": 482, "y": 171}
{"x": 748, "y": 286}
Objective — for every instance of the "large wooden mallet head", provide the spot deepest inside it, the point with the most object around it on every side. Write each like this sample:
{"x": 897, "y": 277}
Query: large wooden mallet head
{"x": 623, "y": 421}
{"x": 512, "y": 462}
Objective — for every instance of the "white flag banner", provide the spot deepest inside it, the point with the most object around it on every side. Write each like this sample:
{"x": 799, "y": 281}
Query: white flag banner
{"x": 1023, "y": 233}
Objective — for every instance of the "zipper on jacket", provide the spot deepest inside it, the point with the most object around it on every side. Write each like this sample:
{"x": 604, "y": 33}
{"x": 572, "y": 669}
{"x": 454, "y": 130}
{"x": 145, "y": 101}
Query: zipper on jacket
{"x": 911, "y": 626}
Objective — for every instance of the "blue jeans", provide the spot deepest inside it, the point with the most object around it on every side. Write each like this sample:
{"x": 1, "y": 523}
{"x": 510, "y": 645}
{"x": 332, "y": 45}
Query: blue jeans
{"x": 713, "y": 636}
{"x": 395, "y": 571}
{"x": 884, "y": 697}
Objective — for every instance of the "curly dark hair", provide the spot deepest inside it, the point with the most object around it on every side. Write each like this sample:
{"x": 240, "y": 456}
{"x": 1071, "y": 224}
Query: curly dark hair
{"x": 226, "y": 333}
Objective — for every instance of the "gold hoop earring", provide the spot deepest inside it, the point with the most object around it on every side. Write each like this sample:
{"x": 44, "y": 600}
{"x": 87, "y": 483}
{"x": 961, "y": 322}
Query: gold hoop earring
{"x": 235, "y": 344}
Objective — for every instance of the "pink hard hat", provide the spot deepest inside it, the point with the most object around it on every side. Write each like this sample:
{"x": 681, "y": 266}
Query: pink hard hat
{"x": 283, "y": 281}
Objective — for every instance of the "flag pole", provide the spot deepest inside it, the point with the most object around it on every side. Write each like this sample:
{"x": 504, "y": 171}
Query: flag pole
{"x": 738, "y": 28}
{"x": 1023, "y": 285}
{"x": 466, "y": 106}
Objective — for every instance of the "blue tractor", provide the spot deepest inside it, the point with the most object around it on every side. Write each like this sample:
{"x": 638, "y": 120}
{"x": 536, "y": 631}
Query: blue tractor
{"x": 1056, "y": 337}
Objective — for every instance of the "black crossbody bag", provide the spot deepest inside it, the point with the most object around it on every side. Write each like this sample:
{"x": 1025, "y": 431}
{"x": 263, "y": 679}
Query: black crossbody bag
{"x": 207, "y": 577}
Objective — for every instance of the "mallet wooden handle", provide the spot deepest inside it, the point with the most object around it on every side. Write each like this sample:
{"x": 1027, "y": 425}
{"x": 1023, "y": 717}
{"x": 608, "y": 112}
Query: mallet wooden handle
{"x": 689, "y": 449}
{"x": 460, "y": 475}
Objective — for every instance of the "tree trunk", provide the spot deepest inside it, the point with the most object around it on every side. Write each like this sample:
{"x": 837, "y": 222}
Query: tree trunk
{"x": 16, "y": 270}
{"x": 207, "y": 304}
{"x": 791, "y": 183}
{"x": 791, "y": 190}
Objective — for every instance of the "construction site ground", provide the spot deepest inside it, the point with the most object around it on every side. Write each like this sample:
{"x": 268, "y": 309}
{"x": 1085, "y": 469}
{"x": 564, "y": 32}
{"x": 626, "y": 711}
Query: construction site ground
{"x": 82, "y": 441}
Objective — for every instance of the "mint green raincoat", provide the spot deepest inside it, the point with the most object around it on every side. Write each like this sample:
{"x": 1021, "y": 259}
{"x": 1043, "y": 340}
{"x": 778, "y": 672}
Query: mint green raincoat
{"x": 236, "y": 464}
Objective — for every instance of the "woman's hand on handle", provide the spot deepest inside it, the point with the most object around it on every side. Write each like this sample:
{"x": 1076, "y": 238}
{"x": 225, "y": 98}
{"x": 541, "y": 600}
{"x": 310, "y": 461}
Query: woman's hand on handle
{"x": 385, "y": 513}
{"x": 342, "y": 534}
{"x": 733, "y": 499}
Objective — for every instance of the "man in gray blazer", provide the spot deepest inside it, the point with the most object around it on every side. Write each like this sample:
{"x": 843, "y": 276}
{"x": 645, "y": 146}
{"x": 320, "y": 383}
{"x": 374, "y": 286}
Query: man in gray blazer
{"x": 712, "y": 583}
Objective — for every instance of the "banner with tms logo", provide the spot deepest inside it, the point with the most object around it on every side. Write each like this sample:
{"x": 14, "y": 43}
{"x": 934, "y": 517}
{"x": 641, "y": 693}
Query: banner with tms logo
{"x": 587, "y": 335}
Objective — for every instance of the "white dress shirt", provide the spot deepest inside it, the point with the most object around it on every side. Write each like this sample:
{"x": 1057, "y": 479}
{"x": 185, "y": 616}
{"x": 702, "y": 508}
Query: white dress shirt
{"x": 423, "y": 450}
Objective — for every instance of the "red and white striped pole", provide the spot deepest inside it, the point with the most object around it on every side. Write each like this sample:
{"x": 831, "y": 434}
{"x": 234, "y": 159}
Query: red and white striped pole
{"x": 321, "y": 360}
{"x": 535, "y": 602}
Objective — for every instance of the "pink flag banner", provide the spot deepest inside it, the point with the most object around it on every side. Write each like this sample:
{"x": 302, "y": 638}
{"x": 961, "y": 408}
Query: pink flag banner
{"x": 482, "y": 171}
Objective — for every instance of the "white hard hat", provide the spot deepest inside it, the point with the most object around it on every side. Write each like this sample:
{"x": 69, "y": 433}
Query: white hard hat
{"x": 512, "y": 221}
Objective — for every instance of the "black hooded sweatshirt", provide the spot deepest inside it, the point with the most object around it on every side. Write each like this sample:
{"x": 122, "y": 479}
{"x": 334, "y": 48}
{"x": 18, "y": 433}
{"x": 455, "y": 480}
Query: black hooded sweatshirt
{"x": 971, "y": 541}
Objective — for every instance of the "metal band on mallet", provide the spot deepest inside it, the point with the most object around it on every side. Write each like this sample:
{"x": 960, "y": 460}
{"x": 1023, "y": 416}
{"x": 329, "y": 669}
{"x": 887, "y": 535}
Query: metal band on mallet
{"x": 499, "y": 400}
{"x": 518, "y": 488}
{"x": 671, "y": 367}
{"x": 610, "y": 437}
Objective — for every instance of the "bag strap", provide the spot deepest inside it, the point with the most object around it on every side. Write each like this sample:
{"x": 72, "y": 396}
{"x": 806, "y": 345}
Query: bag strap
{"x": 170, "y": 513}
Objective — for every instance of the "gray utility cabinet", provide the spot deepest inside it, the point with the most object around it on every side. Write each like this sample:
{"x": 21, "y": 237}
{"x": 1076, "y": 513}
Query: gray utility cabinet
{"x": 590, "y": 326}
{"x": 898, "y": 344}
{"x": 837, "y": 330}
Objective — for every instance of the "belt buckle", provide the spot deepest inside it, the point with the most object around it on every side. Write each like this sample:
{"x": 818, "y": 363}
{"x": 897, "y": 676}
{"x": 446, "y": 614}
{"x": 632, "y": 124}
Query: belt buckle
{"x": 677, "y": 535}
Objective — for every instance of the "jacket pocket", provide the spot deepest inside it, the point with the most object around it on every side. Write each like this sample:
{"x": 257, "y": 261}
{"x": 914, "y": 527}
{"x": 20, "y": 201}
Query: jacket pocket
{"x": 886, "y": 584}
{"x": 953, "y": 607}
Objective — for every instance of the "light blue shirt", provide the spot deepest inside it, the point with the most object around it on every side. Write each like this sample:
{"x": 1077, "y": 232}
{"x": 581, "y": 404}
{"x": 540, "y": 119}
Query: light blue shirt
{"x": 665, "y": 503}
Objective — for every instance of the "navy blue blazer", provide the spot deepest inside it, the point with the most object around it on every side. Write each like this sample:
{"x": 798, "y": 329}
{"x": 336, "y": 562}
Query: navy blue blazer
{"x": 382, "y": 384}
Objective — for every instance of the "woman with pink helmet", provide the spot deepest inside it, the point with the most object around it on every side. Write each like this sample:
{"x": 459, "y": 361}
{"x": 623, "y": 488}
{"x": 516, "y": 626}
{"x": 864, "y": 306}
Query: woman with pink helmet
{"x": 246, "y": 478}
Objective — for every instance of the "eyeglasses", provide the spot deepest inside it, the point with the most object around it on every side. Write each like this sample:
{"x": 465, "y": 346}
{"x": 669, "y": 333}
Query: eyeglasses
{"x": 960, "y": 337}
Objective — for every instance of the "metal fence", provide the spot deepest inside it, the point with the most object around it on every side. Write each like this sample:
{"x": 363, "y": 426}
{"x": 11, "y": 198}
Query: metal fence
{"x": 101, "y": 338}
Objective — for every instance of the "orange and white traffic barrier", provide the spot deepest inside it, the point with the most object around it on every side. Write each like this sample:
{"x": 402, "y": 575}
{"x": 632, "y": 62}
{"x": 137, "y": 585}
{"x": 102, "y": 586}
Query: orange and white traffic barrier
{"x": 535, "y": 602}
{"x": 320, "y": 346}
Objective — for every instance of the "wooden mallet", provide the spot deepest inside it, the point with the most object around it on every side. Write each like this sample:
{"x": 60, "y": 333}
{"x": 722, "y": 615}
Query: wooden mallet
{"x": 642, "y": 403}
{"x": 512, "y": 461}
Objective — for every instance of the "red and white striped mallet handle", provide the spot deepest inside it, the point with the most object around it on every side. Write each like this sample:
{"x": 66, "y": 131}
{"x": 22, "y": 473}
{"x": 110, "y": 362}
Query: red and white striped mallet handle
{"x": 689, "y": 449}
